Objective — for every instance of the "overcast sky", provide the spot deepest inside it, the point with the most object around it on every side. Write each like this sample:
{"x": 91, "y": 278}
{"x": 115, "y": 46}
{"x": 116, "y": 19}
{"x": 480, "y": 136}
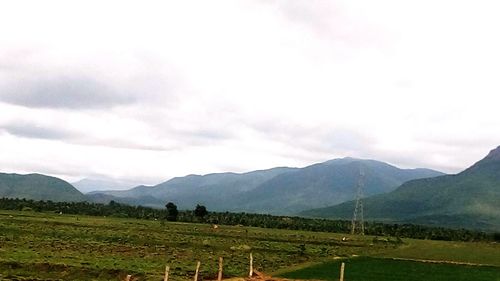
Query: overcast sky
{"x": 146, "y": 90}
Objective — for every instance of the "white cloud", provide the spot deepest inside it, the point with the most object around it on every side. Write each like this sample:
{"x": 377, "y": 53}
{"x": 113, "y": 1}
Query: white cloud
{"x": 204, "y": 86}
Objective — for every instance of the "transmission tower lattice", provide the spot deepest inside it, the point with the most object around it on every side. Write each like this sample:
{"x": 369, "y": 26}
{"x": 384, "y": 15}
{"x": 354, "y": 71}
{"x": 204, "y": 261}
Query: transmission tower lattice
{"x": 358, "y": 221}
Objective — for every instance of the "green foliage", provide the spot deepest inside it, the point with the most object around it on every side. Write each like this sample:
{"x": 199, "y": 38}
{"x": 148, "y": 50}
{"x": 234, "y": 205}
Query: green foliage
{"x": 200, "y": 211}
{"x": 172, "y": 211}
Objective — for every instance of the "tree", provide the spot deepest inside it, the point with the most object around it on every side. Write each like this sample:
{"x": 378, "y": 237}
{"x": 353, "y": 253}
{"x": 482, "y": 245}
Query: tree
{"x": 200, "y": 211}
{"x": 171, "y": 211}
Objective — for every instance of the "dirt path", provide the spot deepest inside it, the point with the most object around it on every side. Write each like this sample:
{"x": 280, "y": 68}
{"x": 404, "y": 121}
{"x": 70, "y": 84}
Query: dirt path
{"x": 444, "y": 261}
{"x": 259, "y": 276}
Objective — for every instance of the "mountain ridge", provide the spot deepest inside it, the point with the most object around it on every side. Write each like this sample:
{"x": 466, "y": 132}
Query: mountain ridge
{"x": 37, "y": 187}
{"x": 326, "y": 182}
{"x": 474, "y": 192}
{"x": 258, "y": 191}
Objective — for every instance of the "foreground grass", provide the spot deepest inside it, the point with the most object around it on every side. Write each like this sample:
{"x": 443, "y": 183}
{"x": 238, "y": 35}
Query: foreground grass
{"x": 97, "y": 248}
{"x": 368, "y": 269}
{"x": 463, "y": 252}
{"x": 47, "y": 246}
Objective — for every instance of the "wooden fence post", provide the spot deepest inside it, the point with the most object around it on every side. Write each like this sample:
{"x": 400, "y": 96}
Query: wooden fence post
{"x": 167, "y": 269}
{"x": 251, "y": 265}
{"x": 342, "y": 271}
{"x": 219, "y": 277}
{"x": 197, "y": 270}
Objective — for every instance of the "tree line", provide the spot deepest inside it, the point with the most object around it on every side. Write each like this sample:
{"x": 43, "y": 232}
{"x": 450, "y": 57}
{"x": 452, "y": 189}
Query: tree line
{"x": 201, "y": 215}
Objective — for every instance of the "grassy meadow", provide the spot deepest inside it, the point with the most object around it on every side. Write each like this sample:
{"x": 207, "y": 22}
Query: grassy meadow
{"x": 369, "y": 269}
{"x": 48, "y": 246}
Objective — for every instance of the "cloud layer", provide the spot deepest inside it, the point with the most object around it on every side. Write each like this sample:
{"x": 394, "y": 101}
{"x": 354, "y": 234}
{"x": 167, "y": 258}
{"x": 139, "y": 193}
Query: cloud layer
{"x": 145, "y": 92}
{"x": 63, "y": 92}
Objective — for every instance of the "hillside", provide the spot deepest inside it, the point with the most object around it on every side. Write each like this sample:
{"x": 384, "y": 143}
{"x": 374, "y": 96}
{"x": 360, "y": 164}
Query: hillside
{"x": 276, "y": 191}
{"x": 325, "y": 184}
{"x": 216, "y": 191}
{"x": 468, "y": 199}
{"x": 38, "y": 187}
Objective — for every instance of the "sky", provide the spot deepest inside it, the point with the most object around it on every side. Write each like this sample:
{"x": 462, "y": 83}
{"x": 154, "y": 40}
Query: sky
{"x": 143, "y": 91}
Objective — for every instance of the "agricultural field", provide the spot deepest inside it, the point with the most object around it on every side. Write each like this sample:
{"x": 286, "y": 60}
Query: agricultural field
{"x": 48, "y": 246}
{"x": 368, "y": 269}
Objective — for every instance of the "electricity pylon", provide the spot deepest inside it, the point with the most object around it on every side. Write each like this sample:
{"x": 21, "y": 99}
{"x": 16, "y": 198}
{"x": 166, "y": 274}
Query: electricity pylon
{"x": 358, "y": 221}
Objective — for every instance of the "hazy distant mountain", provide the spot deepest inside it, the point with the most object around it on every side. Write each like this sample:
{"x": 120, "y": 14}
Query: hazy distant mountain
{"x": 38, "y": 187}
{"x": 216, "y": 191}
{"x": 325, "y": 184}
{"x": 276, "y": 191}
{"x": 147, "y": 201}
{"x": 468, "y": 199}
{"x": 90, "y": 184}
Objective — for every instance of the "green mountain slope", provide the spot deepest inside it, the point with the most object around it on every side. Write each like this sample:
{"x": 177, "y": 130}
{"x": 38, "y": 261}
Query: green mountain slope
{"x": 38, "y": 187}
{"x": 325, "y": 184}
{"x": 468, "y": 199}
{"x": 276, "y": 191}
{"x": 215, "y": 191}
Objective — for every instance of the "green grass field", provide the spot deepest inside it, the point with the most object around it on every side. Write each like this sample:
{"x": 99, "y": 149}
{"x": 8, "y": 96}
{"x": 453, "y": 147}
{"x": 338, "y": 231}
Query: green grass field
{"x": 369, "y": 269}
{"x": 97, "y": 248}
{"x": 47, "y": 246}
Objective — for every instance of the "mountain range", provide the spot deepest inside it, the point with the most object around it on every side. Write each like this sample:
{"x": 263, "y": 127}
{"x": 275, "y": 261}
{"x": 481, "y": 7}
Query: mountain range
{"x": 280, "y": 190}
{"x": 324, "y": 184}
{"x": 468, "y": 199}
{"x": 325, "y": 190}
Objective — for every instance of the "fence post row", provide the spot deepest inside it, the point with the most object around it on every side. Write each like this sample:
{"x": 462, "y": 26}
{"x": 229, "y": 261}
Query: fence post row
{"x": 219, "y": 276}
